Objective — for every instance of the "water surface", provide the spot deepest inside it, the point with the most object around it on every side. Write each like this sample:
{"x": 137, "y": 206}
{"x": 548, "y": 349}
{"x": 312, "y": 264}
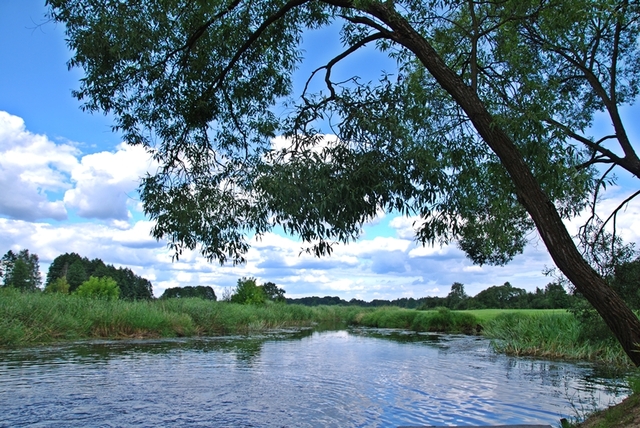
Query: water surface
{"x": 354, "y": 378}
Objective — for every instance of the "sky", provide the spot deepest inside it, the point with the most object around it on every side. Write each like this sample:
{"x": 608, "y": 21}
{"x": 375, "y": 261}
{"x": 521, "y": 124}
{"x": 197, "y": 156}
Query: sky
{"x": 68, "y": 184}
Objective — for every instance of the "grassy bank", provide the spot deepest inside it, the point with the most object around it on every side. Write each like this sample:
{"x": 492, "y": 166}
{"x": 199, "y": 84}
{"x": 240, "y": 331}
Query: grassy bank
{"x": 31, "y": 318}
{"x": 549, "y": 334}
{"x": 28, "y": 318}
{"x": 440, "y": 320}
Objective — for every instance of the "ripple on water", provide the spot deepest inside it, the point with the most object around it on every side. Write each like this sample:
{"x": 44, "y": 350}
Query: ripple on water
{"x": 331, "y": 379}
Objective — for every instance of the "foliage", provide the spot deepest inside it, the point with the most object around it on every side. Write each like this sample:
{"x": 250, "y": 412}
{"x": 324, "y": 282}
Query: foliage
{"x": 503, "y": 296}
{"x": 403, "y": 143}
{"x": 626, "y": 281}
{"x": 60, "y": 285}
{"x": 247, "y": 292}
{"x": 21, "y": 270}
{"x": 553, "y": 296}
{"x": 273, "y": 292}
{"x": 483, "y": 131}
{"x": 77, "y": 269}
{"x": 201, "y": 291}
{"x": 76, "y": 275}
{"x": 100, "y": 288}
{"x": 457, "y": 298}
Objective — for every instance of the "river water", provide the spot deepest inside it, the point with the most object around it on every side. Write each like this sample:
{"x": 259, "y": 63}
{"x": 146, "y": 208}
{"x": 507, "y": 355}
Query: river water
{"x": 347, "y": 378}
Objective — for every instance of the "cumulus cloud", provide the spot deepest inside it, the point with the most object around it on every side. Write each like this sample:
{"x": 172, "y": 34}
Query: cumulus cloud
{"x": 105, "y": 182}
{"x": 41, "y": 180}
{"x": 31, "y": 168}
{"x": 35, "y": 172}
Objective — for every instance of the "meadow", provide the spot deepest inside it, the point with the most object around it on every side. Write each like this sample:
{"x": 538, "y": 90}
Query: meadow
{"x": 39, "y": 318}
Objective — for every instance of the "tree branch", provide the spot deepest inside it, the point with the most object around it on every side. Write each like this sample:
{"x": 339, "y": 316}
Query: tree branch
{"x": 291, "y": 4}
{"x": 615, "y": 212}
{"x": 594, "y": 146}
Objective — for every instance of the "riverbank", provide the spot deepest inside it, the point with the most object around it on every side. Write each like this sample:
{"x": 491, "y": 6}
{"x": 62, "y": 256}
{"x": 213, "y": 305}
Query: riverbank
{"x": 36, "y": 318}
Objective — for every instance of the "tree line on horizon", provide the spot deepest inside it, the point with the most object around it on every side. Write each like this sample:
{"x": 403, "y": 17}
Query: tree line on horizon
{"x": 624, "y": 279}
{"x": 505, "y": 296}
{"x": 69, "y": 272}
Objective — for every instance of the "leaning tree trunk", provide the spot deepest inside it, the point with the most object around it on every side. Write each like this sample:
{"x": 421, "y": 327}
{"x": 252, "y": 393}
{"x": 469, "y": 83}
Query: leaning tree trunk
{"x": 621, "y": 320}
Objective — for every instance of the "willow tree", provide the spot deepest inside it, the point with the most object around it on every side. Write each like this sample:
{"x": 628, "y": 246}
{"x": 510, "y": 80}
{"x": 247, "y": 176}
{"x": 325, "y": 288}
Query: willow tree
{"x": 481, "y": 129}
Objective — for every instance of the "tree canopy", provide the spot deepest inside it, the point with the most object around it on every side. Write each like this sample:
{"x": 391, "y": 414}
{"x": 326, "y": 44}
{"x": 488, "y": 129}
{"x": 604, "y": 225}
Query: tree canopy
{"x": 76, "y": 270}
{"x": 21, "y": 270}
{"x": 200, "y": 291}
{"x": 482, "y": 130}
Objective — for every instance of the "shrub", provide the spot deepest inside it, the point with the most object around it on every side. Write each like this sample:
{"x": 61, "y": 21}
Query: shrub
{"x": 247, "y": 292}
{"x": 60, "y": 285}
{"x": 103, "y": 288}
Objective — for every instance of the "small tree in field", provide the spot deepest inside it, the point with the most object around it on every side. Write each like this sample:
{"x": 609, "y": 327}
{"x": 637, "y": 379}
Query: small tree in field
{"x": 248, "y": 293}
{"x": 103, "y": 288}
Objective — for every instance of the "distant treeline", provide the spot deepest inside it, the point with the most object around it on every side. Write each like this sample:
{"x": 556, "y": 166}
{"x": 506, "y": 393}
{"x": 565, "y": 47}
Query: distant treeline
{"x": 505, "y": 296}
{"x": 624, "y": 279}
{"x": 77, "y": 269}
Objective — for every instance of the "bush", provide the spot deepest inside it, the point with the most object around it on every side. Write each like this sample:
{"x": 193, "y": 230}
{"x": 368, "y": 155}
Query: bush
{"x": 102, "y": 288}
{"x": 60, "y": 285}
{"x": 247, "y": 292}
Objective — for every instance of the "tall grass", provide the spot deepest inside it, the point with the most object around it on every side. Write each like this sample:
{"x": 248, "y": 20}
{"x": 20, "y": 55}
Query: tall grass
{"x": 550, "y": 335}
{"x": 40, "y": 318}
{"x": 440, "y": 320}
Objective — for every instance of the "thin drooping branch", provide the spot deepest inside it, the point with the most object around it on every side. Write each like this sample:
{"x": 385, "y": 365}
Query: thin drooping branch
{"x": 595, "y": 146}
{"x": 615, "y": 212}
{"x": 290, "y": 5}
{"x": 200, "y": 31}
{"x": 630, "y": 162}
{"x": 594, "y": 200}
{"x": 329, "y": 66}
{"x": 474, "y": 46}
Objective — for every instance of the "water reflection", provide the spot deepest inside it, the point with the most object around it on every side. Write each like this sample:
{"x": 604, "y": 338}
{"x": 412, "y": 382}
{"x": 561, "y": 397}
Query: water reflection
{"x": 359, "y": 377}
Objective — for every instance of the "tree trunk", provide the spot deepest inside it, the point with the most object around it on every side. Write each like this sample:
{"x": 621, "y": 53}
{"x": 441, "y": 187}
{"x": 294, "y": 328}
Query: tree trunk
{"x": 621, "y": 320}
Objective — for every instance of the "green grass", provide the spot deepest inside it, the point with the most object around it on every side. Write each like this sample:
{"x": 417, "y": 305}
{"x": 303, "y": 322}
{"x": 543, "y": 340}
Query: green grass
{"x": 485, "y": 315}
{"x": 32, "y": 318}
{"x": 27, "y": 318}
{"x": 440, "y": 320}
{"x": 550, "y": 334}
{"x": 41, "y": 318}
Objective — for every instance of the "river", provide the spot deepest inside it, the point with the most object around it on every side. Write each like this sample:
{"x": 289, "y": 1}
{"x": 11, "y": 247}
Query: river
{"x": 346, "y": 378}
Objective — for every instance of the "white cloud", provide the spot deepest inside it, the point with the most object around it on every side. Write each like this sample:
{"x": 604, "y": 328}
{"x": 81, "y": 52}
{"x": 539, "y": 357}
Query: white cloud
{"x": 31, "y": 167}
{"x": 105, "y": 182}
{"x": 48, "y": 179}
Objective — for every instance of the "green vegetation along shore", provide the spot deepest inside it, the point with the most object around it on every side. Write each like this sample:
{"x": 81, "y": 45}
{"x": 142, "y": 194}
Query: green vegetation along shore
{"x": 40, "y": 318}
{"x": 37, "y": 318}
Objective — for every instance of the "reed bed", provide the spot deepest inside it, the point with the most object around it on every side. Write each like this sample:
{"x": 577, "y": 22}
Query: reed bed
{"x": 439, "y": 320}
{"x": 33, "y": 318}
{"x": 550, "y": 335}
{"x": 27, "y": 318}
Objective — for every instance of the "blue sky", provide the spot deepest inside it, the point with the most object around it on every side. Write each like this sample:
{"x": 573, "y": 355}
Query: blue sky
{"x": 68, "y": 184}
